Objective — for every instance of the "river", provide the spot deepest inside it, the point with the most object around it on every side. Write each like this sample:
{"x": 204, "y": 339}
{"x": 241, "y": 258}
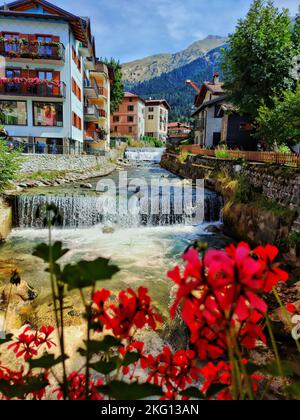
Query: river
{"x": 144, "y": 248}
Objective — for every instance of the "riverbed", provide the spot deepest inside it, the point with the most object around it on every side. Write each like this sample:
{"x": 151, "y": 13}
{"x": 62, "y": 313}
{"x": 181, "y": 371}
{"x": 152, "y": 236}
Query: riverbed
{"x": 143, "y": 249}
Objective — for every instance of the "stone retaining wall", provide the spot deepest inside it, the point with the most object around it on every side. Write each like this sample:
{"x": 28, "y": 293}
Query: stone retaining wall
{"x": 47, "y": 163}
{"x": 248, "y": 221}
{"x": 280, "y": 184}
{"x": 5, "y": 219}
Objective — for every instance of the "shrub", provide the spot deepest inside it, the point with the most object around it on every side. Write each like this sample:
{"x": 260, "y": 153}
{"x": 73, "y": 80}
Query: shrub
{"x": 9, "y": 164}
{"x": 222, "y": 152}
{"x": 244, "y": 192}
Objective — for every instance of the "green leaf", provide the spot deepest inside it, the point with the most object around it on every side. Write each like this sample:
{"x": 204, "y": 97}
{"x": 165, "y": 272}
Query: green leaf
{"x": 46, "y": 362}
{"x": 131, "y": 358}
{"x": 194, "y": 392}
{"x": 87, "y": 273}
{"x": 273, "y": 369}
{"x": 105, "y": 367}
{"x": 43, "y": 251}
{"x": 32, "y": 384}
{"x": 214, "y": 389}
{"x": 294, "y": 390}
{"x": 8, "y": 338}
{"x": 100, "y": 346}
{"x": 130, "y": 392}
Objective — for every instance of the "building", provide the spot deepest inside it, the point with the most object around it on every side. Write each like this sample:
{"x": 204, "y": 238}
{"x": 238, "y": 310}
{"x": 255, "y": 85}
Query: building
{"x": 129, "y": 119}
{"x": 178, "y": 131}
{"x": 97, "y": 87}
{"x": 208, "y": 121}
{"x": 157, "y": 118}
{"x": 236, "y": 129}
{"x": 53, "y": 92}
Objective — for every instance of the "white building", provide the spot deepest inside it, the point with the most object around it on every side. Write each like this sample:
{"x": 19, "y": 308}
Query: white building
{"x": 208, "y": 122}
{"x": 50, "y": 79}
{"x": 157, "y": 119}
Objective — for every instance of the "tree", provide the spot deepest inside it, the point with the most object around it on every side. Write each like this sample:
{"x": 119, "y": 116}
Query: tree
{"x": 9, "y": 164}
{"x": 117, "y": 89}
{"x": 280, "y": 125}
{"x": 258, "y": 62}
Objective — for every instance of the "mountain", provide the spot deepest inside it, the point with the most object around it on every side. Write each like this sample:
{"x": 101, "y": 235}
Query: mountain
{"x": 171, "y": 85}
{"x": 150, "y": 67}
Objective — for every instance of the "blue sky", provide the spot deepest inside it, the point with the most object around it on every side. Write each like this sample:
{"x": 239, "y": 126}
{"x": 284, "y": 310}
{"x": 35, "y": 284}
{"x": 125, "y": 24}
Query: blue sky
{"x": 132, "y": 29}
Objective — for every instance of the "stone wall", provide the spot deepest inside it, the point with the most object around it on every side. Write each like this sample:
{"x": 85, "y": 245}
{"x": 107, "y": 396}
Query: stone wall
{"x": 72, "y": 163}
{"x": 280, "y": 184}
{"x": 5, "y": 219}
{"x": 248, "y": 221}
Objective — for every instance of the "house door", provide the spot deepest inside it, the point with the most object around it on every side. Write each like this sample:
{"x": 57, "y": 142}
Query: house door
{"x": 216, "y": 139}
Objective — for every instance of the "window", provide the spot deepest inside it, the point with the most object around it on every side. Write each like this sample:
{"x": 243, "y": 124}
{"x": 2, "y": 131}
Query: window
{"x": 116, "y": 119}
{"x": 45, "y": 50}
{"x": 48, "y": 114}
{"x": 130, "y": 108}
{"x": 47, "y": 76}
{"x": 217, "y": 111}
{"x": 11, "y": 47}
{"x": 130, "y": 119}
{"x": 151, "y": 109}
{"x": 11, "y": 73}
{"x": 15, "y": 112}
{"x": 76, "y": 121}
{"x": 130, "y": 130}
{"x": 150, "y": 117}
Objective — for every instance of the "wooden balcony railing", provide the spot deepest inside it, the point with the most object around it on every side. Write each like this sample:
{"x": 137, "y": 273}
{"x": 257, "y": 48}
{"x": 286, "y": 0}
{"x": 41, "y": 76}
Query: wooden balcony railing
{"x": 32, "y": 50}
{"x": 288, "y": 159}
{"x": 32, "y": 87}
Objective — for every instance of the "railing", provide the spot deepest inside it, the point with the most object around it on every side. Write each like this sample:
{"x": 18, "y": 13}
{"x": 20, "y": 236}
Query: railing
{"x": 289, "y": 159}
{"x": 103, "y": 113}
{"x": 92, "y": 111}
{"x": 23, "y": 88}
{"x": 91, "y": 85}
{"x": 103, "y": 91}
{"x": 44, "y": 149}
{"x": 32, "y": 50}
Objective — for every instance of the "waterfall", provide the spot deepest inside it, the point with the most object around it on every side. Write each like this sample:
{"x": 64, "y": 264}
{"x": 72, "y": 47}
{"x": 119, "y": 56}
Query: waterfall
{"x": 81, "y": 211}
{"x": 144, "y": 154}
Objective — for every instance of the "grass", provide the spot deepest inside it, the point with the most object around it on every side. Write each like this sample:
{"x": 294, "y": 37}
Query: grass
{"x": 268, "y": 205}
{"x": 43, "y": 175}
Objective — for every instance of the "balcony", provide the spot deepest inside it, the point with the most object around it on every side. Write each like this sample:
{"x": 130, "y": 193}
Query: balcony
{"x": 91, "y": 113}
{"x": 32, "y": 87}
{"x": 84, "y": 50}
{"x": 91, "y": 89}
{"x": 25, "y": 51}
{"x": 103, "y": 113}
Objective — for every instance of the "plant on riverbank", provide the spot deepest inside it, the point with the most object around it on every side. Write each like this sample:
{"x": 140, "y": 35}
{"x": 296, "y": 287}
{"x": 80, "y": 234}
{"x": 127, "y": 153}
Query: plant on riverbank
{"x": 220, "y": 299}
{"x": 10, "y": 161}
{"x": 221, "y": 152}
{"x": 279, "y": 125}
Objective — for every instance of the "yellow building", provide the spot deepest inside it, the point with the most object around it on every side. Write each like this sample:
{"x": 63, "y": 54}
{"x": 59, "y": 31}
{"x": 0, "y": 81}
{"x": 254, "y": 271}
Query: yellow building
{"x": 157, "y": 119}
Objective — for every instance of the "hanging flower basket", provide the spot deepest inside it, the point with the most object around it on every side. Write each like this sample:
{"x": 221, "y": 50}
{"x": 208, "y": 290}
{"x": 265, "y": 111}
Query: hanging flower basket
{"x": 28, "y": 82}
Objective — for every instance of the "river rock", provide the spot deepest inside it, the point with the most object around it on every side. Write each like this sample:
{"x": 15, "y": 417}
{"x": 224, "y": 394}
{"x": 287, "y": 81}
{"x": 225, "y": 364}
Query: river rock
{"x": 108, "y": 230}
{"x": 213, "y": 229}
{"x": 87, "y": 186}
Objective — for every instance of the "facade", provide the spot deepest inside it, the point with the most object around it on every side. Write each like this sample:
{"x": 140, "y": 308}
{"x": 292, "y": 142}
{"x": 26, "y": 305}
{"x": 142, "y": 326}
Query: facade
{"x": 129, "y": 119}
{"x": 208, "y": 122}
{"x": 48, "y": 71}
{"x": 178, "y": 131}
{"x": 157, "y": 118}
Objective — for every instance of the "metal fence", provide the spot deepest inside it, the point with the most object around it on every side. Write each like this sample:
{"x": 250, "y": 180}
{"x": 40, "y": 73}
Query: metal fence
{"x": 289, "y": 159}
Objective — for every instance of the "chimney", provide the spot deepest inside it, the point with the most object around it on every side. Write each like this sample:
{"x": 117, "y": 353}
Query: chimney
{"x": 216, "y": 79}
